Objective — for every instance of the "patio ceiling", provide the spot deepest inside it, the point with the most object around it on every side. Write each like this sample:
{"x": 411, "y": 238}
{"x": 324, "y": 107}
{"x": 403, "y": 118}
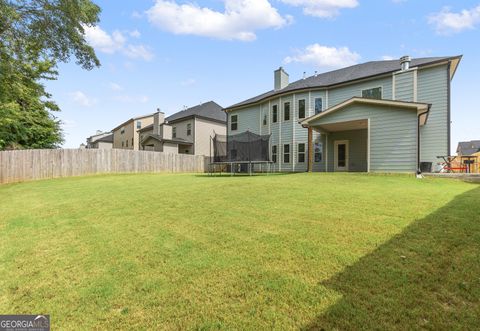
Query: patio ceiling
{"x": 343, "y": 126}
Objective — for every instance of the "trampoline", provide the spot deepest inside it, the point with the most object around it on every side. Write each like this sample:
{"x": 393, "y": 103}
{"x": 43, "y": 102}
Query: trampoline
{"x": 246, "y": 152}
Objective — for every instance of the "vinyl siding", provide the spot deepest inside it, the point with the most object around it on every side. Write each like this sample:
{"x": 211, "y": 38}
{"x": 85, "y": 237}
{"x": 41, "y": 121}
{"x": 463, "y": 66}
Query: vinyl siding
{"x": 340, "y": 94}
{"x": 204, "y": 130}
{"x": 393, "y": 135}
{"x": 404, "y": 86}
{"x": 433, "y": 88}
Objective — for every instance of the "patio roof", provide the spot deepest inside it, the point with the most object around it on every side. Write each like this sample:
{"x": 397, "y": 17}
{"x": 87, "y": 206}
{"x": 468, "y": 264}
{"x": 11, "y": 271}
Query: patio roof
{"x": 420, "y": 108}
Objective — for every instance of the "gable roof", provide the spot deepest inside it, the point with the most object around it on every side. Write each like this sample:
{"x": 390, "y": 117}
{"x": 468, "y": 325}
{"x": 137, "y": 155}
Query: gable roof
{"x": 419, "y": 107}
{"x": 348, "y": 74}
{"x": 209, "y": 110}
{"x": 179, "y": 141}
{"x": 106, "y": 139}
{"x": 131, "y": 120}
{"x": 468, "y": 147}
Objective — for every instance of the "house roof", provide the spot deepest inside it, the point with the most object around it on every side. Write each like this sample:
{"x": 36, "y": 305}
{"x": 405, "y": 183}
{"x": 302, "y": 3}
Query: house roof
{"x": 348, "y": 74}
{"x": 146, "y": 128}
{"x": 159, "y": 138}
{"x": 209, "y": 110}
{"x": 417, "y": 106}
{"x": 106, "y": 139}
{"x": 468, "y": 147}
{"x": 131, "y": 120}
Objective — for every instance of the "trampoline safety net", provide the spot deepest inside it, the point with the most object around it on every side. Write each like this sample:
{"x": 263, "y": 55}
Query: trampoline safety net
{"x": 245, "y": 146}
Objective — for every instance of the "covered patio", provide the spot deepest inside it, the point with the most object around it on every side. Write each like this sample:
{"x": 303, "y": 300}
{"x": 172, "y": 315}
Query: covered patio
{"x": 364, "y": 135}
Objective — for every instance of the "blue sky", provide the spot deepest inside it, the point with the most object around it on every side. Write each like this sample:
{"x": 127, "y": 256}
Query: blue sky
{"x": 167, "y": 54}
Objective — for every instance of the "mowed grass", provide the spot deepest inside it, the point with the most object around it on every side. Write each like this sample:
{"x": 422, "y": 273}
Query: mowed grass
{"x": 300, "y": 251}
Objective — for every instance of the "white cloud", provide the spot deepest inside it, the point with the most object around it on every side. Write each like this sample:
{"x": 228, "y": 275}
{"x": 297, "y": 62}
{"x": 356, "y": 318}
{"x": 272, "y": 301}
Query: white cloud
{"x": 446, "y": 22}
{"x": 138, "y": 52}
{"x": 239, "y": 21}
{"x": 132, "y": 99}
{"x": 324, "y": 56}
{"x": 135, "y": 33}
{"x": 82, "y": 99}
{"x": 188, "y": 82}
{"x": 115, "y": 87}
{"x": 116, "y": 42}
{"x": 322, "y": 8}
{"x": 136, "y": 14}
{"x": 101, "y": 40}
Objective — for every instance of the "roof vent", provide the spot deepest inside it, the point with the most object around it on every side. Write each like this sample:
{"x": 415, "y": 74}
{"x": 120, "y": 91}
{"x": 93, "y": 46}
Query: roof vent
{"x": 405, "y": 62}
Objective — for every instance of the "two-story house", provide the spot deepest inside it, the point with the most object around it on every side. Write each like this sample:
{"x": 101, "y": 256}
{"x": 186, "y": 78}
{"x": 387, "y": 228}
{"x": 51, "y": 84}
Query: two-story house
{"x": 125, "y": 135}
{"x": 186, "y": 132}
{"x": 100, "y": 140}
{"x": 380, "y": 116}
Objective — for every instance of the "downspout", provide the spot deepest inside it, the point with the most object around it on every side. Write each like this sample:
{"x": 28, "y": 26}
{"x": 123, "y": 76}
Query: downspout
{"x": 419, "y": 172}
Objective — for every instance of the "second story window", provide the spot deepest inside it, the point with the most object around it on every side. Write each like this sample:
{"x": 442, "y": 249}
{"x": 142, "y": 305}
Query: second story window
{"x": 318, "y": 105}
{"x": 234, "y": 122}
{"x": 372, "y": 93}
{"x": 274, "y": 153}
{"x": 122, "y": 130}
{"x": 286, "y": 111}
{"x": 189, "y": 129}
{"x": 174, "y": 132}
{"x": 274, "y": 114}
{"x": 301, "y": 108}
{"x": 139, "y": 125}
{"x": 265, "y": 119}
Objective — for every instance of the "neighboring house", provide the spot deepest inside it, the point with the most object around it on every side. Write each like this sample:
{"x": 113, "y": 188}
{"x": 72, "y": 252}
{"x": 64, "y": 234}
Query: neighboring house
{"x": 186, "y": 132}
{"x": 125, "y": 136}
{"x": 383, "y": 116}
{"x": 468, "y": 147}
{"x": 101, "y": 140}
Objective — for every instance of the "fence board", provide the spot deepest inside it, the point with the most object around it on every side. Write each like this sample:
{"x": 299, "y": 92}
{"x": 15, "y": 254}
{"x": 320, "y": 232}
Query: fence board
{"x": 24, "y": 165}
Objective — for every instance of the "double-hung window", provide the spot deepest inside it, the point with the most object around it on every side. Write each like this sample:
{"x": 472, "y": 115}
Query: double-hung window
{"x": 189, "y": 129}
{"x": 286, "y": 111}
{"x": 233, "y": 122}
{"x": 318, "y": 105}
{"x": 301, "y": 108}
{"x": 317, "y": 150}
{"x": 274, "y": 153}
{"x": 174, "y": 132}
{"x": 274, "y": 113}
{"x": 301, "y": 153}
{"x": 286, "y": 153}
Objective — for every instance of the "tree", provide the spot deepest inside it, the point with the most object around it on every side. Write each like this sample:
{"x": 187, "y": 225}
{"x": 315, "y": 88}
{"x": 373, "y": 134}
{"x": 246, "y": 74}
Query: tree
{"x": 34, "y": 36}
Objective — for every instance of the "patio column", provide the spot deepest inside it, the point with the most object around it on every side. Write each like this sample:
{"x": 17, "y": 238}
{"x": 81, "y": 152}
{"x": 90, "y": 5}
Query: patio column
{"x": 310, "y": 150}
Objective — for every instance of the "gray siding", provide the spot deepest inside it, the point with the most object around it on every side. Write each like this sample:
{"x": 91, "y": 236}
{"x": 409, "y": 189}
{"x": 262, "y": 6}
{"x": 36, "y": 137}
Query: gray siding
{"x": 340, "y": 94}
{"x": 404, "y": 86}
{"x": 433, "y": 88}
{"x": 393, "y": 135}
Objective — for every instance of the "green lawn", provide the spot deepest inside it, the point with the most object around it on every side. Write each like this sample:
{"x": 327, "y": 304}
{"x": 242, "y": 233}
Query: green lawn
{"x": 300, "y": 251}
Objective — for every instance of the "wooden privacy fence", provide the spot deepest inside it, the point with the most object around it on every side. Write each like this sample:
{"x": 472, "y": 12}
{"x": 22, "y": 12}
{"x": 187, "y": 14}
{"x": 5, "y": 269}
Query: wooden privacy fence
{"x": 23, "y": 165}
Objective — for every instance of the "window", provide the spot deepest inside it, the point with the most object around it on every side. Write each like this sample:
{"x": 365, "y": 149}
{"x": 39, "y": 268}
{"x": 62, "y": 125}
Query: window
{"x": 122, "y": 130}
{"x": 265, "y": 118}
{"x": 301, "y": 108}
{"x": 274, "y": 114}
{"x": 317, "y": 149}
{"x": 274, "y": 153}
{"x": 286, "y": 153}
{"x": 139, "y": 125}
{"x": 234, "y": 122}
{"x": 301, "y": 153}
{"x": 286, "y": 111}
{"x": 126, "y": 143}
{"x": 123, "y": 144}
{"x": 373, "y": 93}
{"x": 318, "y": 105}
{"x": 132, "y": 142}
{"x": 174, "y": 132}
{"x": 189, "y": 129}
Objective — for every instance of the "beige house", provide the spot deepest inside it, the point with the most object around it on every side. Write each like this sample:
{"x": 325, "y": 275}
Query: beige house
{"x": 125, "y": 136}
{"x": 186, "y": 132}
{"x": 100, "y": 140}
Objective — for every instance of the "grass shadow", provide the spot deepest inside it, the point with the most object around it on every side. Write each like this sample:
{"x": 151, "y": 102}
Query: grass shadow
{"x": 427, "y": 277}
